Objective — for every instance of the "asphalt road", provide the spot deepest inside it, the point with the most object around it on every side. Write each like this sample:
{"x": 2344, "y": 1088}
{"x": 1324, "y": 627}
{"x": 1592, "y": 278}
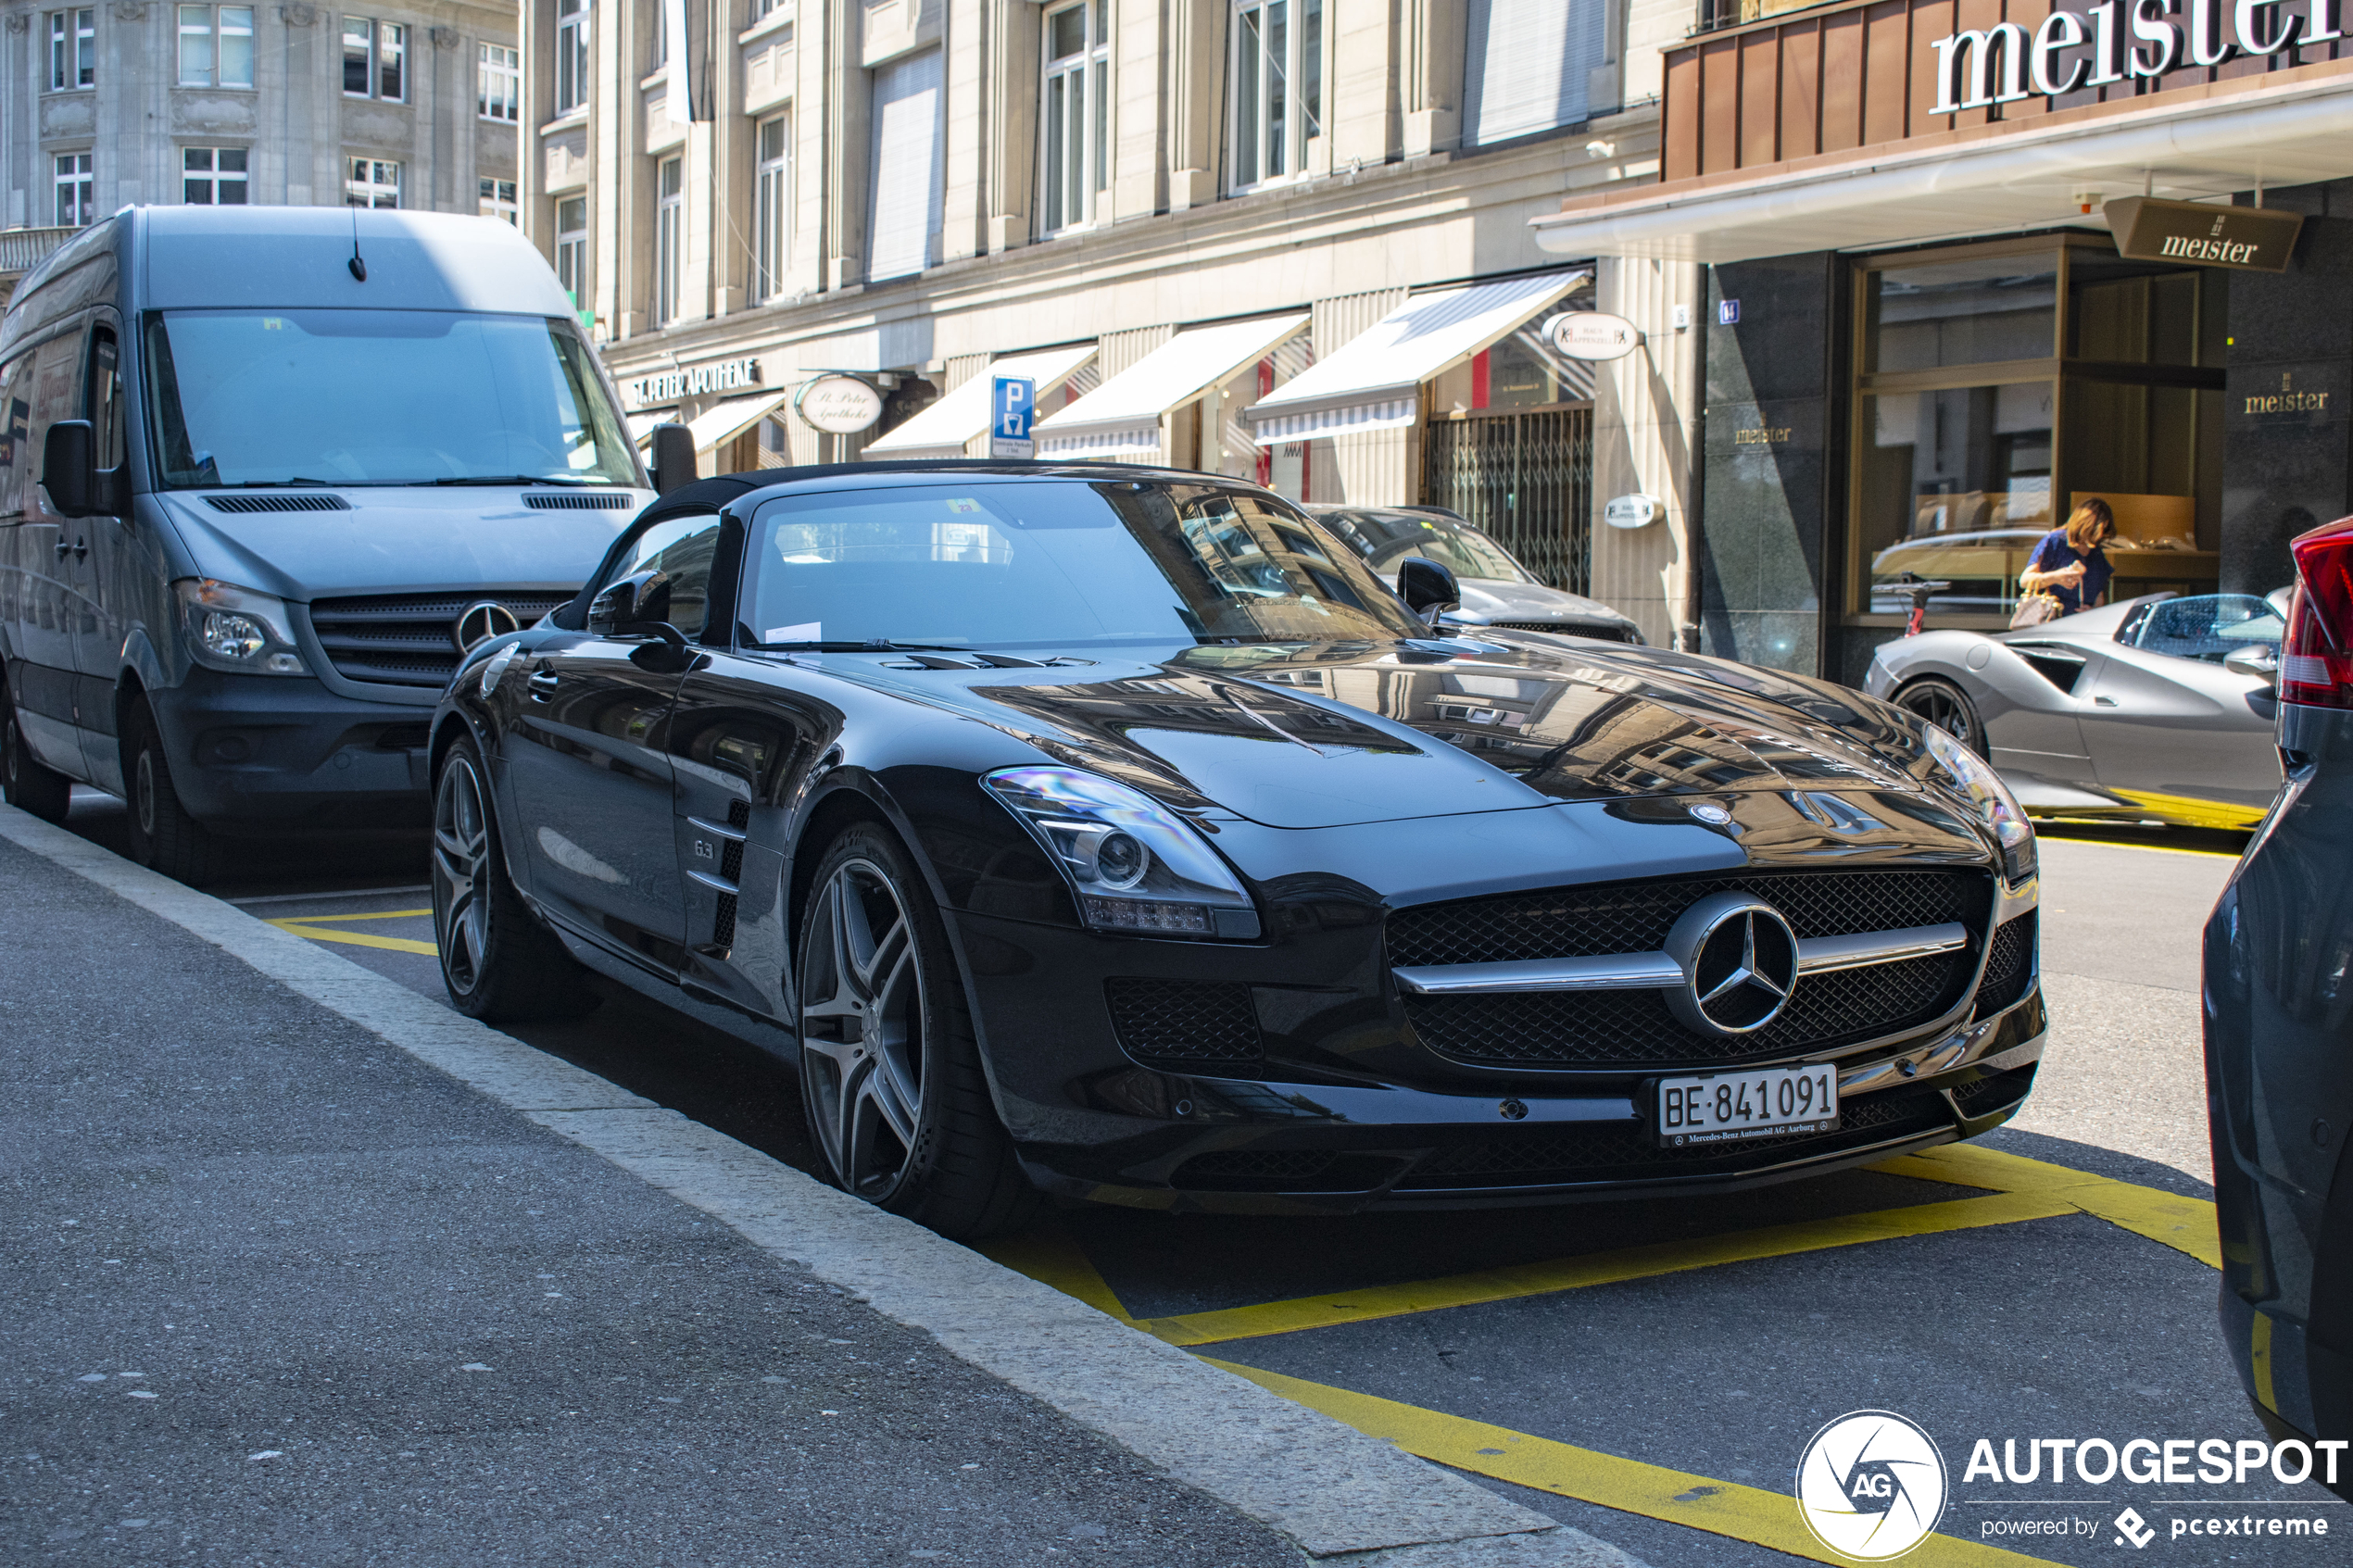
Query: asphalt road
{"x": 279, "y": 1294}
{"x": 1723, "y": 1349}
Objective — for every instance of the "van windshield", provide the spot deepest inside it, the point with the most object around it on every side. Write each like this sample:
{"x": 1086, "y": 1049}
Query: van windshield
{"x": 359, "y": 397}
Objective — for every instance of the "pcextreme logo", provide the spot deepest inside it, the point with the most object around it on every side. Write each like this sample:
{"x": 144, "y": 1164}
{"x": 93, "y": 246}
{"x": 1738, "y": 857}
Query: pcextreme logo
{"x": 1871, "y": 1486}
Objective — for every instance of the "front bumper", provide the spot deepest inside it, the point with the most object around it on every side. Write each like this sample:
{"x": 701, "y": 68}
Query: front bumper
{"x": 275, "y": 753}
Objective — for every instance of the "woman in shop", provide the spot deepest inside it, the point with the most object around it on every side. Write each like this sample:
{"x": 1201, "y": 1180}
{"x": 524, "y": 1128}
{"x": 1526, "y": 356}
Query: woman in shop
{"x": 2071, "y": 564}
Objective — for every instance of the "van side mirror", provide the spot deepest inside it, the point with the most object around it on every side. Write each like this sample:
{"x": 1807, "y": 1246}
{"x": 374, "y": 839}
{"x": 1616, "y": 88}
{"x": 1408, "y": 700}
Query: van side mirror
{"x": 1427, "y": 587}
{"x": 69, "y": 472}
{"x": 673, "y": 454}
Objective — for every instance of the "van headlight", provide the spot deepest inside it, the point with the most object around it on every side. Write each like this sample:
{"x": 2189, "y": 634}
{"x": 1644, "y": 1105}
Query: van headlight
{"x": 1990, "y": 800}
{"x": 231, "y": 628}
{"x": 1135, "y": 867}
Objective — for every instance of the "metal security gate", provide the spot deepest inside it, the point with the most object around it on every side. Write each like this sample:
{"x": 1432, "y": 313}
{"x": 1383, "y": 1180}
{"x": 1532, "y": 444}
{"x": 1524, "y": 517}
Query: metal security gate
{"x": 1526, "y": 476}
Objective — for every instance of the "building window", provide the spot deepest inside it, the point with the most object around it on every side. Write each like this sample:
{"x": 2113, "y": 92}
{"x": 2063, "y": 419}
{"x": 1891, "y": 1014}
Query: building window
{"x": 375, "y": 59}
{"x": 73, "y": 49}
{"x": 1527, "y": 65}
{"x": 572, "y": 55}
{"x": 1075, "y": 121}
{"x": 498, "y": 95}
{"x": 909, "y": 169}
{"x": 662, "y": 34}
{"x": 1277, "y": 87}
{"x": 215, "y": 45}
{"x": 213, "y": 176}
{"x": 75, "y": 205}
{"x": 761, "y": 8}
{"x": 498, "y": 201}
{"x": 374, "y": 183}
{"x": 670, "y": 238}
{"x": 771, "y": 209}
{"x": 572, "y": 247}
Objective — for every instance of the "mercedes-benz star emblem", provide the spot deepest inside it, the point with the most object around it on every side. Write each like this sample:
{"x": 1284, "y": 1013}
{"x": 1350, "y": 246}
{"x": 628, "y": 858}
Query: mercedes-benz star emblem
{"x": 483, "y": 618}
{"x": 1739, "y": 960}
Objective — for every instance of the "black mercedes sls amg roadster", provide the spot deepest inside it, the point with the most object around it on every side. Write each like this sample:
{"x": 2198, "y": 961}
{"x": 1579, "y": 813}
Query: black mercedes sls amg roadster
{"x": 1115, "y": 833}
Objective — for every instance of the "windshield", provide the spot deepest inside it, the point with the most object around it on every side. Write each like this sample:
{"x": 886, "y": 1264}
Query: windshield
{"x": 354, "y": 397}
{"x": 1387, "y": 538}
{"x": 2210, "y": 627}
{"x": 1054, "y": 564}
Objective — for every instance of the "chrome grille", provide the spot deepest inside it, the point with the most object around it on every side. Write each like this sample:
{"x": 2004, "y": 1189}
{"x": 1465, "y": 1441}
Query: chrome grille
{"x": 403, "y": 639}
{"x": 1633, "y": 1028}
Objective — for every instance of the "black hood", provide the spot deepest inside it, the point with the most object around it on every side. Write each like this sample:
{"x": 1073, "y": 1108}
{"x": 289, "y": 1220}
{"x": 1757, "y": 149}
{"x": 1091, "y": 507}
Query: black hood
{"x": 1339, "y": 734}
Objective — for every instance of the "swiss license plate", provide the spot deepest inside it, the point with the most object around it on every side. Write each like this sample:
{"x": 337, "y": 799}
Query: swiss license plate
{"x": 1728, "y": 1107}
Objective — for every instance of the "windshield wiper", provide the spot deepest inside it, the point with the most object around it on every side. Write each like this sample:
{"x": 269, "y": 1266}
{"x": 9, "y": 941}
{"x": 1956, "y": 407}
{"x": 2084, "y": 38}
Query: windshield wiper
{"x": 279, "y": 484}
{"x": 508, "y": 479}
{"x": 871, "y": 644}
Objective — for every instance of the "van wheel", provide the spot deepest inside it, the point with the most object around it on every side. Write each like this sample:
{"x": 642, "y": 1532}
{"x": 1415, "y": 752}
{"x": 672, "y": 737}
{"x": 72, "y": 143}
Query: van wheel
{"x": 498, "y": 964}
{"x": 890, "y": 1073}
{"x": 29, "y": 785}
{"x": 163, "y": 837}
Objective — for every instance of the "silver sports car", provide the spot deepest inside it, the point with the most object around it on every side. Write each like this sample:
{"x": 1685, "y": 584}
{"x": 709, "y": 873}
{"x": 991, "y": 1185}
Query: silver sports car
{"x": 2157, "y": 708}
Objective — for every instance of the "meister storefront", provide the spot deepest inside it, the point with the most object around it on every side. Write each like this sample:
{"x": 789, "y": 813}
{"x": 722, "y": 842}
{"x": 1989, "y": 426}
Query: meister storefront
{"x": 1949, "y": 270}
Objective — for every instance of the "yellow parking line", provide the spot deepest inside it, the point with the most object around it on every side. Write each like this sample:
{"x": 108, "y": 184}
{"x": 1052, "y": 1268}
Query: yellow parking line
{"x": 356, "y": 938}
{"x": 331, "y": 919}
{"x": 2145, "y": 848}
{"x": 1600, "y": 1268}
{"x": 1051, "y": 1257}
{"x": 1745, "y": 1514}
{"x": 2186, "y": 1225}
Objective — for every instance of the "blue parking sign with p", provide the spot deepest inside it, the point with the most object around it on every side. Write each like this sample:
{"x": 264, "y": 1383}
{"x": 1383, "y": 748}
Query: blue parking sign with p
{"x": 1014, "y": 406}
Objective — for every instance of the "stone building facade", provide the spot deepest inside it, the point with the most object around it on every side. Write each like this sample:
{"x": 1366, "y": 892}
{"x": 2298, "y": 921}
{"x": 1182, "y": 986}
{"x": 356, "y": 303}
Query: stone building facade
{"x": 1163, "y": 210}
{"x": 122, "y": 102}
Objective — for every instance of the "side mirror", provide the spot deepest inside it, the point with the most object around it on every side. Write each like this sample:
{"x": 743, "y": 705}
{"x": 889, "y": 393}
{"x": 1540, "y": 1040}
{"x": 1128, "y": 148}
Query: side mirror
{"x": 673, "y": 463}
{"x": 1428, "y": 588}
{"x": 70, "y": 468}
{"x": 635, "y": 606}
{"x": 2258, "y": 663}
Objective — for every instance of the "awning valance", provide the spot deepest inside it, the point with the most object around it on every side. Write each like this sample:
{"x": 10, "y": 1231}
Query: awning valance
{"x": 942, "y": 430}
{"x": 1124, "y": 414}
{"x": 1373, "y": 380}
{"x": 723, "y": 422}
{"x": 2213, "y": 140}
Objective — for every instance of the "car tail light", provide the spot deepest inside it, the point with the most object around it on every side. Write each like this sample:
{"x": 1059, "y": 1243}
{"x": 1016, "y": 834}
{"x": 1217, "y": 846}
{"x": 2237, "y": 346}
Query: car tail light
{"x": 2316, "y": 666}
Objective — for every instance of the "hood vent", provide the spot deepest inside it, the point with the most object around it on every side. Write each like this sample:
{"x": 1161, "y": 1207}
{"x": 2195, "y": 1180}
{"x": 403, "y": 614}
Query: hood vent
{"x": 282, "y": 501}
{"x": 582, "y": 501}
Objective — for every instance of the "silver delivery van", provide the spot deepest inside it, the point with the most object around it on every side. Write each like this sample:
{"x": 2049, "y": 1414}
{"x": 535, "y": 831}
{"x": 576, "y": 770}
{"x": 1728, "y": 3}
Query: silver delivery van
{"x": 265, "y": 474}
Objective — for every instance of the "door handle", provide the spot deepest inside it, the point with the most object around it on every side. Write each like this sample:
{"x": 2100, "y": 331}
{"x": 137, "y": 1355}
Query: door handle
{"x": 2104, "y": 702}
{"x": 544, "y": 683}
{"x": 79, "y": 550}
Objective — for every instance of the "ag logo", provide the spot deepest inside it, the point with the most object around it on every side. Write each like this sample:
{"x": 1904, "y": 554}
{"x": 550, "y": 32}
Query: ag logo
{"x": 1871, "y": 1486}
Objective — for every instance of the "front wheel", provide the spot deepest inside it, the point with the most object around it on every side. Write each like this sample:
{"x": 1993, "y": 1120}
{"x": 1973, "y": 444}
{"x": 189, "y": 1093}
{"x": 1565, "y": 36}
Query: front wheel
{"x": 164, "y": 837}
{"x": 497, "y": 963}
{"x": 890, "y": 1073}
{"x": 1947, "y": 706}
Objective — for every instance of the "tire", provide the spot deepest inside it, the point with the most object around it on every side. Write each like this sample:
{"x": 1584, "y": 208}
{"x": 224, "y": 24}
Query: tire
{"x": 890, "y": 1074}
{"x": 164, "y": 837}
{"x": 28, "y": 784}
{"x": 497, "y": 962}
{"x": 1947, "y": 706}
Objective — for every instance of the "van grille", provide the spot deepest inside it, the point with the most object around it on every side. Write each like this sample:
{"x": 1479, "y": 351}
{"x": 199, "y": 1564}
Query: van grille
{"x": 407, "y": 639}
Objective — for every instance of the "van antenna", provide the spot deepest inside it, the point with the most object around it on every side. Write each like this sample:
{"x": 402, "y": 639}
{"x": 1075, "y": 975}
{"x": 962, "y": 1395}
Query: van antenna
{"x": 358, "y": 264}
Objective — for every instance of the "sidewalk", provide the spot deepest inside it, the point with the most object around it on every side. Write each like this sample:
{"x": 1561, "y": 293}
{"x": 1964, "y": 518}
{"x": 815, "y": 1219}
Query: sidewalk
{"x": 278, "y": 1292}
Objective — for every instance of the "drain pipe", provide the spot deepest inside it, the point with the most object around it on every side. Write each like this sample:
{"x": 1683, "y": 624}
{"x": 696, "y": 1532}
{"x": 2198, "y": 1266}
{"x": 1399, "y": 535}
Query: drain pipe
{"x": 1695, "y": 481}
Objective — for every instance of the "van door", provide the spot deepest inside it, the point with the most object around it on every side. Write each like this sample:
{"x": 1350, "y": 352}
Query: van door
{"x": 115, "y": 579}
{"x": 43, "y": 602}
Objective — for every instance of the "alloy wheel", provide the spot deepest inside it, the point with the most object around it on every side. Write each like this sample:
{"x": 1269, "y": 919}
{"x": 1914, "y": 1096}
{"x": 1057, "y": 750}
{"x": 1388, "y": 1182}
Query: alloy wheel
{"x": 1943, "y": 708}
{"x": 143, "y": 791}
{"x": 461, "y": 845}
{"x": 861, "y": 1040}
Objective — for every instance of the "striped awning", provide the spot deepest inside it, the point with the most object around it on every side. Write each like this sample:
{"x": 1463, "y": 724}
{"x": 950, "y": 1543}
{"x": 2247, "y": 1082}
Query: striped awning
{"x": 1122, "y": 416}
{"x": 942, "y": 430}
{"x": 724, "y": 420}
{"x": 1373, "y": 381}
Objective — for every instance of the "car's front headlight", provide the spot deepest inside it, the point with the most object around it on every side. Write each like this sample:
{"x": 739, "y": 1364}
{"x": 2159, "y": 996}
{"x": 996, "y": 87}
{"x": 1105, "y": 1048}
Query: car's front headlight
{"x": 1136, "y": 867}
{"x": 1974, "y": 778}
{"x": 231, "y": 628}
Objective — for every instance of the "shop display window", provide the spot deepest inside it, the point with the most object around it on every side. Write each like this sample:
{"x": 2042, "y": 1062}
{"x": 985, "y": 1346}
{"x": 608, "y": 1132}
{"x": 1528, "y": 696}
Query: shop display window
{"x": 1999, "y": 387}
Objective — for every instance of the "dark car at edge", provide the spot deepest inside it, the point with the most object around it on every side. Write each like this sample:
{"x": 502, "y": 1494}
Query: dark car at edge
{"x": 2279, "y": 1039}
{"x": 1115, "y": 833}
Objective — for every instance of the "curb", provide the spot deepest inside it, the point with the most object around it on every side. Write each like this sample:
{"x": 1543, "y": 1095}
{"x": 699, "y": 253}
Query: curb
{"x": 1335, "y": 1493}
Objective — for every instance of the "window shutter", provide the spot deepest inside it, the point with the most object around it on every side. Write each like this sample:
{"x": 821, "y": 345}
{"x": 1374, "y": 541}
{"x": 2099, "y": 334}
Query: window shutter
{"x": 1524, "y": 69}
{"x": 910, "y": 188}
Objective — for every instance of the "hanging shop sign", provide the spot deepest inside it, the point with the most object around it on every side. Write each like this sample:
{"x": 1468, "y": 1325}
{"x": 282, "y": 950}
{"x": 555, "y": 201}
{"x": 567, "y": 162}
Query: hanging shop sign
{"x": 1630, "y": 512}
{"x": 2252, "y": 239}
{"x": 1593, "y": 334}
{"x": 838, "y": 405}
{"x": 661, "y": 388}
